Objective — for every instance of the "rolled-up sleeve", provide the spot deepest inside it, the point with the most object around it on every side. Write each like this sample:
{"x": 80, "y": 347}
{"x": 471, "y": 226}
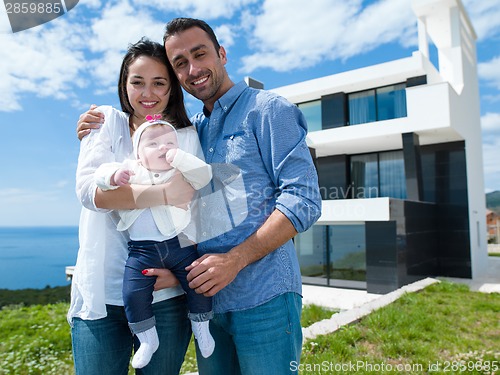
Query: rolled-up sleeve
{"x": 283, "y": 132}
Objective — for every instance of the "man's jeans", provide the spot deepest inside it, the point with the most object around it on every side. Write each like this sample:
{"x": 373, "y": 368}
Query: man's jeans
{"x": 264, "y": 340}
{"x": 104, "y": 346}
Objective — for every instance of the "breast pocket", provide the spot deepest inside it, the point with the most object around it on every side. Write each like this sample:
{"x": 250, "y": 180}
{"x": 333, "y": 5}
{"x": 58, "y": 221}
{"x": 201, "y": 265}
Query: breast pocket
{"x": 235, "y": 146}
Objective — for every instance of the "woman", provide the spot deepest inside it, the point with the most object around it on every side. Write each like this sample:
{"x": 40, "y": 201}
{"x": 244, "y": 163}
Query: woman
{"x": 102, "y": 341}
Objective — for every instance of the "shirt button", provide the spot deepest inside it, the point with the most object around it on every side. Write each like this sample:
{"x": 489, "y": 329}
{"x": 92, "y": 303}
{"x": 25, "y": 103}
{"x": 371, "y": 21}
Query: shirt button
{"x": 211, "y": 149}
{"x": 157, "y": 175}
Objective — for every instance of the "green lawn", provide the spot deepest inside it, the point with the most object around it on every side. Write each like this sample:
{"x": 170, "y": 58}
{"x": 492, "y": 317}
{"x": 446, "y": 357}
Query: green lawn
{"x": 36, "y": 339}
{"x": 438, "y": 330}
{"x": 434, "y": 331}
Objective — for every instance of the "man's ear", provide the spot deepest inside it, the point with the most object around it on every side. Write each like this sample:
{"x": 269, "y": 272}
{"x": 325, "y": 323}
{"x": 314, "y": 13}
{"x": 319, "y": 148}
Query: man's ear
{"x": 222, "y": 54}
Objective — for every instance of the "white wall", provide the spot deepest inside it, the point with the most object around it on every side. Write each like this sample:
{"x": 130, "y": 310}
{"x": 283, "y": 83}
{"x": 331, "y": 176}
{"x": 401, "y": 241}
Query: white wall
{"x": 449, "y": 27}
{"x": 446, "y": 109}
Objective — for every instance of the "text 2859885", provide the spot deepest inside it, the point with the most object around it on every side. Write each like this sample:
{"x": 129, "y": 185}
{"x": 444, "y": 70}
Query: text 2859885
{"x": 33, "y": 8}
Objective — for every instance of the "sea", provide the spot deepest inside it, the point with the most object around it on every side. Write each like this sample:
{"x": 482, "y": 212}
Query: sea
{"x": 36, "y": 257}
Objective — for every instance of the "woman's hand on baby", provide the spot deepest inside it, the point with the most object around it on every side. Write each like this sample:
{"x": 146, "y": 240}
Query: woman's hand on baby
{"x": 178, "y": 191}
{"x": 164, "y": 277}
{"x": 121, "y": 177}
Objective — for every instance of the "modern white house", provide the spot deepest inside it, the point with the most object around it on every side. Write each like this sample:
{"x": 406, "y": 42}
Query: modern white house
{"x": 398, "y": 151}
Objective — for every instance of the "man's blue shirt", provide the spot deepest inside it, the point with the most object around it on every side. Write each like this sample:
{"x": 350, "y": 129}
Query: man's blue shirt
{"x": 263, "y": 135}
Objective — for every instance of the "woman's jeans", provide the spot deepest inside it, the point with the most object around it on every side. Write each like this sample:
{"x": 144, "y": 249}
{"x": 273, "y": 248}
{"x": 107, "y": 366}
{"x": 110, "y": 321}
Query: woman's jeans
{"x": 264, "y": 340}
{"x": 104, "y": 346}
{"x": 138, "y": 289}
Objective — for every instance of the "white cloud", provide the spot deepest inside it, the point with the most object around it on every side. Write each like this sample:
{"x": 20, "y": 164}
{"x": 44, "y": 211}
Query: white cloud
{"x": 491, "y": 155}
{"x": 93, "y": 4}
{"x": 206, "y": 10}
{"x": 53, "y": 59}
{"x": 120, "y": 24}
{"x": 490, "y": 71}
{"x": 248, "y": 20}
{"x": 46, "y": 60}
{"x": 225, "y": 35}
{"x": 490, "y": 123}
{"x": 485, "y": 17}
{"x": 105, "y": 71}
{"x": 289, "y": 35}
{"x": 495, "y": 98}
{"x": 76, "y": 50}
{"x": 383, "y": 22}
{"x": 4, "y": 20}
{"x": 283, "y": 35}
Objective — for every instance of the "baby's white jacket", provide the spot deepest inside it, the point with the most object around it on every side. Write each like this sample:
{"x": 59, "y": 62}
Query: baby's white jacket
{"x": 170, "y": 220}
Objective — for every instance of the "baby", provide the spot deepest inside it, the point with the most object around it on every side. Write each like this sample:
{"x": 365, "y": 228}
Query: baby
{"x": 155, "y": 233}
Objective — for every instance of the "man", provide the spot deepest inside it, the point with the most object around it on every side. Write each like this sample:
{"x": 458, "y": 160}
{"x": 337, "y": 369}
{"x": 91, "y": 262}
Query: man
{"x": 252, "y": 271}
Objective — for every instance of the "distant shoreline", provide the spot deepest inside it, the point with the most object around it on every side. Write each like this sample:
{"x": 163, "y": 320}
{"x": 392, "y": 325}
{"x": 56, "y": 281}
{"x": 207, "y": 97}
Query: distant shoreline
{"x": 35, "y": 289}
{"x": 31, "y": 296}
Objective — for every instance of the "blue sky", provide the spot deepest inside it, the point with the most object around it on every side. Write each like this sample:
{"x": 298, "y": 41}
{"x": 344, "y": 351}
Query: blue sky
{"x": 52, "y": 73}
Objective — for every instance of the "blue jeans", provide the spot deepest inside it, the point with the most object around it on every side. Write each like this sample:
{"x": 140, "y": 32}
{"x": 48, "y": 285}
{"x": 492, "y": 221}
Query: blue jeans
{"x": 138, "y": 289}
{"x": 258, "y": 341}
{"x": 104, "y": 346}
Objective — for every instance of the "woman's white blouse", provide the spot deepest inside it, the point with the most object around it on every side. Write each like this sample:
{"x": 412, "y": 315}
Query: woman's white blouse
{"x": 100, "y": 265}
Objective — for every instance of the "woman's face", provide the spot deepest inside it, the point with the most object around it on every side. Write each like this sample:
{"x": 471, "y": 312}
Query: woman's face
{"x": 148, "y": 88}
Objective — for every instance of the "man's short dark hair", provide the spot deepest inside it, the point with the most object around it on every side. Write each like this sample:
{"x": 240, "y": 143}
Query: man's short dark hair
{"x": 180, "y": 24}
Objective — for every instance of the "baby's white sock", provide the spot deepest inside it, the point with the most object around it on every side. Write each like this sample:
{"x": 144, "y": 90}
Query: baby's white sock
{"x": 206, "y": 342}
{"x": 149, "y": 345}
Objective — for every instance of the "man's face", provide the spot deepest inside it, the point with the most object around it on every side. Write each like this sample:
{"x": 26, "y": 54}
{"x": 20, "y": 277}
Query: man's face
{"x": 198, "y": 65}
{"x": 154, "y": 143}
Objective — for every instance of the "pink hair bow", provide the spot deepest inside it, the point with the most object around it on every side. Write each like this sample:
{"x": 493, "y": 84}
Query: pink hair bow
{"x": 152, "y": 118}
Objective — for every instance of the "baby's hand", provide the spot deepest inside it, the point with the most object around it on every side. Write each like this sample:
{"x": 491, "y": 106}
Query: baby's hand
{"x": 170, "y": 156}
{"x": 121, "y": 177}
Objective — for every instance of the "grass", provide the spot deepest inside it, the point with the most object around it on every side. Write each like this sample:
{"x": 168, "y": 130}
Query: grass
{"x": 429, "y": 331}
{"x": 36, "y": 339}
{"x": 425, "y": 331}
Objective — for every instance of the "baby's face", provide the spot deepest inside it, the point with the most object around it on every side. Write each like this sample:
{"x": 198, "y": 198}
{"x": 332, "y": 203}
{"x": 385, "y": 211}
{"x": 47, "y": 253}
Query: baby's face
{"x": 154, "y": 143}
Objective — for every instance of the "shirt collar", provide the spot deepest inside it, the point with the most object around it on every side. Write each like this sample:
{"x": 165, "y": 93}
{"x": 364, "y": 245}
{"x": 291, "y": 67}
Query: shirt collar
{"x": 227, "y": 100}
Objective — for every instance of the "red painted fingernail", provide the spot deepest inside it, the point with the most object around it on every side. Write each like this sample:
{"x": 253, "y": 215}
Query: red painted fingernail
{"x": 145, "y": 272}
